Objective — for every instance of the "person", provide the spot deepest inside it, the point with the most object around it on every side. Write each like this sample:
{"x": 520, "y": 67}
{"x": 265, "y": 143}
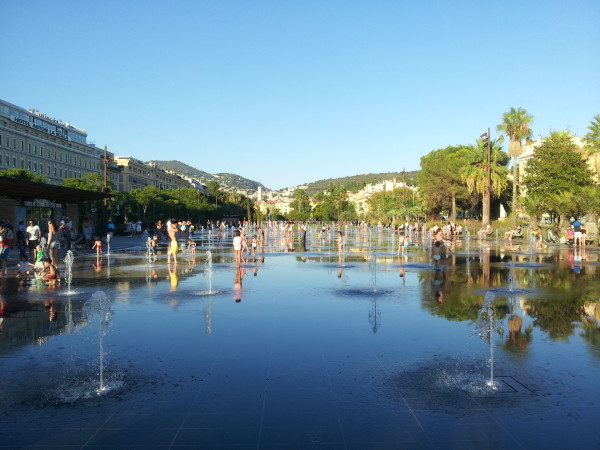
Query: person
{"x": 32, "y": 234}
{"x": 402, "y": 243}
{"x": 110, "y": 228}
{"x": 97, "y": 245}
{"x": 254, "y": 244}
{"x": 50, "y": 273}
{"x": 192, "y": 246}
{"x": 571, "y": 235}
{"x": 577, "y": 233}
{"x": 53, "y": 244}
{"x": 4, "y": 250}
{"x": 438, "y": 251}
{"x": 39, "y": 257}
{"x": 237, "y": 247}
{"x": 484, "y": 232}
{"x": 21, "y": 237}
{"x": 173, "y": 247}
{"x": 65, "y": 236}
{"x": 23, "y": 267}
{"x": 88, "y": 229}
{"x": 515, "y": 232}
{"x": 261, "y": 238}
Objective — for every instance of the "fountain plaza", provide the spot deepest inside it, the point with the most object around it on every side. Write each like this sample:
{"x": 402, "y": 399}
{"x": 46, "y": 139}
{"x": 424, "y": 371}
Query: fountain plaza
{"x": 498, "y": 347}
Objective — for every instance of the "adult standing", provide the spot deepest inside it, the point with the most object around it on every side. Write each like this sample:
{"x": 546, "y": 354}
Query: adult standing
{"x": 88, "y": 230}
{"x": 53, "y": 242}
{"x": 578, "y": 234}
{"x": 173, "y": 247}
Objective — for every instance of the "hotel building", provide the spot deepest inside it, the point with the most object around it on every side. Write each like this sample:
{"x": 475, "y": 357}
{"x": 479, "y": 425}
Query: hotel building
{"x": 40, "y": 144}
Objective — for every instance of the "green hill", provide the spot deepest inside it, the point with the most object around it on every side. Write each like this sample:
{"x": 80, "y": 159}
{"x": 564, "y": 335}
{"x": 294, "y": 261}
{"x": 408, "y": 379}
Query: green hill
{"x": 357, "y": 182}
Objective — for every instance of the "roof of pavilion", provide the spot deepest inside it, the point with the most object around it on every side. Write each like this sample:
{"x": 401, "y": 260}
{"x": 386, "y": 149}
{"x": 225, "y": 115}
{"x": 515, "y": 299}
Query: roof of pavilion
{"x": 10, "y": 187}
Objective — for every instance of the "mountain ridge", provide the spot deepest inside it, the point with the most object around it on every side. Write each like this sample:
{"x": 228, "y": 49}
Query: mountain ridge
{"x": 237, "y": 182}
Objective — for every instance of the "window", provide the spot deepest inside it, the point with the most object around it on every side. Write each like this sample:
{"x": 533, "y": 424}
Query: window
{"x": 42, "y": 151}
{"x": 54, "y": 170}
{"x": 15, "y": 143}
{"x": 22, "y": 163}
{"x": 22, "y": 145}
{"x": 28, "y": 147}
{"x": 29, "y": 165}
{"x": 35, "y": 166}
{"x": 48, "y": 172}
{"x": 14, "y": 161}
{"x": 35, "y": 149}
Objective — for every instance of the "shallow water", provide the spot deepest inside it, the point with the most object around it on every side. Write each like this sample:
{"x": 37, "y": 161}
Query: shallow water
{"x": 317, "y": 352}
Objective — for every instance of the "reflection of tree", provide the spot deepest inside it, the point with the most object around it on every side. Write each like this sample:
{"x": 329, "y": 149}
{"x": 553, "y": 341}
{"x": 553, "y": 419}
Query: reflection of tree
{"x": 590, "y": 327}
{"x": 557, "y": 316}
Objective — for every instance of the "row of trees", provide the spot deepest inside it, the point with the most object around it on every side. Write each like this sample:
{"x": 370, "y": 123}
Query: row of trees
{"x": 558, "y": 179}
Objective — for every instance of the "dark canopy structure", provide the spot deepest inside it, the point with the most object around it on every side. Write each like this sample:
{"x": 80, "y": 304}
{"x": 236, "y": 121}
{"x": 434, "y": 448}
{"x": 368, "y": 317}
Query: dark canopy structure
{"x": 10, "y": 187}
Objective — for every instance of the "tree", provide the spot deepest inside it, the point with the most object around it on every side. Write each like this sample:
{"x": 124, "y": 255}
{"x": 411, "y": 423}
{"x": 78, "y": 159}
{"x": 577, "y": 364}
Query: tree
{"x": 145, "y": 197}
{"x": 214, "y": 189}
{"x": 516, "y": 126}
{"x": 475, "y": 173}
{"x": 300, "y": 206}
{"x": 23, "y": 175}
{"x": 556, "y": 168}
{"x": 92, "y": 181}
{"x": 440, "y": 181}
{"x": 592, "y": 144}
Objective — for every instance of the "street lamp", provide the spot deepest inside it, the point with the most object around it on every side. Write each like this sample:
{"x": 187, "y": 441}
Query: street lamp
{"x": 487, "y": 195}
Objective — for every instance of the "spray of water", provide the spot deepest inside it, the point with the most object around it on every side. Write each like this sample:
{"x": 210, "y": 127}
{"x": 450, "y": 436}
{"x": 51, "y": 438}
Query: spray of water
{"x": 99, "y": 305}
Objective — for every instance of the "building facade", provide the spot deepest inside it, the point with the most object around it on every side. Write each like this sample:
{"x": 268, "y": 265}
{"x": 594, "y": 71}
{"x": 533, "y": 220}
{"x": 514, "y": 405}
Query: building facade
{"x": 40, "y": 144}
{"x": 135, "y": 174}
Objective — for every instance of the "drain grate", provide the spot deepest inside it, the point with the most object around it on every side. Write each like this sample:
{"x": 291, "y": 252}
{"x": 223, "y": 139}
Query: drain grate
{"x": 506, "y": 387}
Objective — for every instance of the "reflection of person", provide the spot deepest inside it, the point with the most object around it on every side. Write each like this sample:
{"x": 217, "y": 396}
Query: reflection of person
{"x": 340, "y": 244}
{"x": 439, "y": 279}
{"x": 98, "y": 266}
{"x": 237, "y": 284}
{"x": 174, "y": 277}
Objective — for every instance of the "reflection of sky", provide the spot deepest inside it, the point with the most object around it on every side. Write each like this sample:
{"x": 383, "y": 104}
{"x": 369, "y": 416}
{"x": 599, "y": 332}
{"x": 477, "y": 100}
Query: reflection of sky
{"x": 294, "y": 309}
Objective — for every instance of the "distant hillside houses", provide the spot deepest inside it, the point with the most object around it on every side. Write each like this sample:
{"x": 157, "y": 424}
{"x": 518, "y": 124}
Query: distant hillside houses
{"x": 281, "y": 200}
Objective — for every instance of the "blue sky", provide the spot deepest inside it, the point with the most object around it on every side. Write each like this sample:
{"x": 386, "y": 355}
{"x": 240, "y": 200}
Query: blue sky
{"x": 287, "y": 92}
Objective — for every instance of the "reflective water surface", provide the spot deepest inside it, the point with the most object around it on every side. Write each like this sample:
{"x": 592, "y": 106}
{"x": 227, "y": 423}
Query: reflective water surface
{"x": 304, "y": 347}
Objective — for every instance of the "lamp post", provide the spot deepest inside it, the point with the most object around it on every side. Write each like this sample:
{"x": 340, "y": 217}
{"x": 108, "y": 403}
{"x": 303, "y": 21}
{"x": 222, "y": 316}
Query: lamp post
{"x": 487, "y": 194}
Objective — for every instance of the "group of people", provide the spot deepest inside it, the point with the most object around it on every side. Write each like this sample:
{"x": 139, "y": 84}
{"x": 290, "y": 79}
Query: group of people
{"x": 43, "y": 247}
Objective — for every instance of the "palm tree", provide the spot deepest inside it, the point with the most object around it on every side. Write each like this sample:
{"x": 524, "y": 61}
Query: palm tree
{"x": 592, "y": 145}
{"x": 474, "y": 174}
{"x": 515, "y": 125}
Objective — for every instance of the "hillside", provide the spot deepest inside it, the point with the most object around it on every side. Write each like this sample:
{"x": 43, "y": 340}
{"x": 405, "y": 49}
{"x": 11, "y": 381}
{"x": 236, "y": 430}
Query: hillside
{"x": 226, "y": 180}
{"x": 357, "y": 182}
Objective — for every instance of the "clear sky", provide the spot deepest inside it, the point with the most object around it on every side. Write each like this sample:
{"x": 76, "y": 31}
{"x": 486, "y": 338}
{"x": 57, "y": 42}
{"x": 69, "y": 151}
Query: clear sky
{"x": 287, "y": 92}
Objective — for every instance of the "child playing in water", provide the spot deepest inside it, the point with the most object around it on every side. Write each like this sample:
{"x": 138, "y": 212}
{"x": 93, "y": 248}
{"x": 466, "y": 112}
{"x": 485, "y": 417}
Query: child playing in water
{"x": 192, "y": 246}
{"x": 402, "y": 243}
{"x": 23, "y": 267}
{"x": 97, "y": 245}
{"x": 39, "y": 257}
{"x": 50, "y": 273}
{"x": 438, "y": 251}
